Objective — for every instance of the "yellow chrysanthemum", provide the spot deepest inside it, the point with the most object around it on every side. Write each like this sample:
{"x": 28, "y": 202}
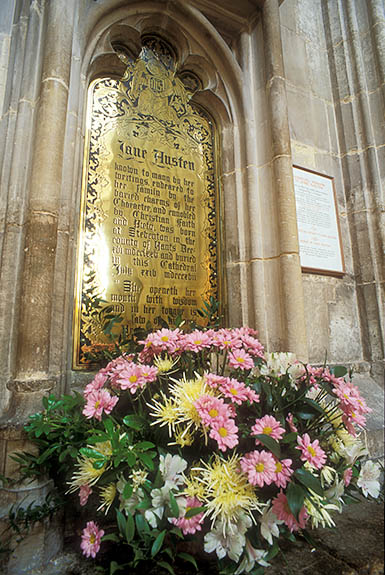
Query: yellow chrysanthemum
{"x": 165, "y": 412}
{"x": 194, "y": 488}
{"x": 86, "y": 474}
{"x": 185, "y": 393}
{"x": 165, "y": 364}
{"x": 344, "y": 436}
{"x": 107, "y": 496}
{"x": 227, "y": 491}
{"x": 182, "y": 438}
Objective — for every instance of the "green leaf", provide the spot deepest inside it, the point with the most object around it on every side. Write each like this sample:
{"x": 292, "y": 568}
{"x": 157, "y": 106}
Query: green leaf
{"x": 111, "y": 537}
{"x": 134, "y": 421}
{"x": 109, "y": 426}
{"x": 270, "y": 443}
{"x": 130, "y": 458}
{"x": 306, "y": 415}
{"x": 189, "y": 558}
{"x": 308, "y": 538}
{"x": 166, "y": 566}
{"x": 173, "y": 505}
{"x": 144, "y": 504}
{"x": 99, "y": 463}
{"x": 177, "y": 531}
{"x": 309, "y": 480}
{"x": 121, "y": 522}
{"x": 289, "y": 437}
{"x": 127, "y": 491}
{"x": 295, "y": 498}
{"x": 273, "y": 551}
{"x": 315, "y": 405}
{"x": 91, "y": 453}
{"x": 144, "y": 445}
{"x": 147, "y": 461}
{"x": 156, "y": 546}
{"x": 130, "y": 528}
{"x": 339, "y": 370}
{"x": 142, "y": 525}
{"x": 194, "y": 511}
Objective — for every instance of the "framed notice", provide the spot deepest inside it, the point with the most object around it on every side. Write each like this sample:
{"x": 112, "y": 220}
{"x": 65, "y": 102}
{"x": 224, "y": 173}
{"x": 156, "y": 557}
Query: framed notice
{"x": 318, "y": 226}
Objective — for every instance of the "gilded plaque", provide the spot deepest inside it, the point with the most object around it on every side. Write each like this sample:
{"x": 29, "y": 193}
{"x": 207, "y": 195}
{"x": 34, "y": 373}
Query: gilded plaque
{"x": 148, "y": 239}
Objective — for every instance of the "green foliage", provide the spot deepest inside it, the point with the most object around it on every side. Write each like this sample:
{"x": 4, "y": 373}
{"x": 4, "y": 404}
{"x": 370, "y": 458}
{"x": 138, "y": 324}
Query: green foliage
{"x": 21, "y": 520}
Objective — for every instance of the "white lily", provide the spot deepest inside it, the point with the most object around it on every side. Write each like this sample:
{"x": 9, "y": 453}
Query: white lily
{"x": 368, "y": 479}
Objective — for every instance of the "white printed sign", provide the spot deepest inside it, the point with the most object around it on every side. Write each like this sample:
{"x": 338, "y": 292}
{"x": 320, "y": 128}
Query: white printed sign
{"x": 317, "y": 220}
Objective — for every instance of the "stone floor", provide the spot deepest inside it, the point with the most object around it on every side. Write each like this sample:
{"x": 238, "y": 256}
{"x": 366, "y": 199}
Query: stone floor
{"x": 356, "y": 547}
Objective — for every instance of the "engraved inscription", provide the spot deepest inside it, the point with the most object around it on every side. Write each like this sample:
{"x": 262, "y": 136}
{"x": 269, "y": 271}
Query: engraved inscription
{"x": 149, "y": 235}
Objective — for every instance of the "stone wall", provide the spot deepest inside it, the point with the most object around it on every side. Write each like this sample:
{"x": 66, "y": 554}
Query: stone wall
{"x": 334, "y": 85}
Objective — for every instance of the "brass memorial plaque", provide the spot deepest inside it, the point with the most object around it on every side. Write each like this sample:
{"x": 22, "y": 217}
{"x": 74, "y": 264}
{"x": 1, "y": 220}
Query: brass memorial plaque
{"x": 148, "y": 239}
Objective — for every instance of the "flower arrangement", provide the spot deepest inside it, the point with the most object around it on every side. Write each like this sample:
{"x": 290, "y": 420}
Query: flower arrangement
{"x": 201, "y": 443}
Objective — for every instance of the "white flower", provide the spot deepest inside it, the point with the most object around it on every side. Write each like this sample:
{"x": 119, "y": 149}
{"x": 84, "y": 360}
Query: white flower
{"x": 182, "y": 506}
{"x": 251, "y": 557}
{"x": 319, "y": 511}
{"x": 296, "y": 371}
{"x": 160, "y": 498}
{"x": 241, "y": 524}
{"x": 335, "y": 493}
{"x": 277, "y": 363}
{"x": 269, "y": 525}
{"x": 352, "y": 452}
{"x": 232, "y": 544}
{"x": 171, "y": 468}
{"x": 368, "y": 479}
{"x": 152, "y": 516}
{"x": 328, "y": 475}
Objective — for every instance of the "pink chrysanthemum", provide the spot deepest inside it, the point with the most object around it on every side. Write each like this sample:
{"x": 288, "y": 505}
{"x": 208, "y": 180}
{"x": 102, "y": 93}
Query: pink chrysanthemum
{"x": 131, "y": 377}
{"x": 283, "y": 472}
{"x": 350, "y": 398}
{"x": 196, "y": 341}
{"x": 162, "y": 340}
{"x": 348, "y": 474}
{"x": 96, "y": 384}
{"x": 190, "y": 526}
{"x": 99, "y": 402}
{"x": 282, "y": 510}
{"x": 84, "y": 493}
{"x": 114, "y": 368}
{"x": 252, "y": 345}
{"x": 351, "y": 419}
{"x": 149, "y": 373}
{"x": 311, "y": 451}
{"x": 267, "y": 425}
{"x": 290, "y": 421}
{"x": 224, "y": 431}
{"x": 237, "y": 391}
{"x": 211, "y": 409}
{"x": 259, "y": 466}
{"x": 224, "y": 339}
{"x": 239, "y": 359}
{"x": 91, "y": 539}
{"x": 214, "y": 381}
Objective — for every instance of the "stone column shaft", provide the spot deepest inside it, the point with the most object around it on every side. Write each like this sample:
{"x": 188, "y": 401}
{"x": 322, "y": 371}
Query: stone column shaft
{"x": 292, "y": 302}
{"x": 44, "y": 200}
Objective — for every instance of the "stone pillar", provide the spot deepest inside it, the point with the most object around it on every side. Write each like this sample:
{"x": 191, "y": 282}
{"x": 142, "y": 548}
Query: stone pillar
{"x": 358, "y": 92}
{"x": 292, "y": 302}
{"x": 33, "y": 209}
{"x": 33, "y": 375}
